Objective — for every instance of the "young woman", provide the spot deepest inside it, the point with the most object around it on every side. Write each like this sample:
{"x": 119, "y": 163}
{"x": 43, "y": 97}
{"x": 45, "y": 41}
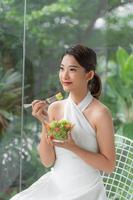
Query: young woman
{"x": 76, "y": 162}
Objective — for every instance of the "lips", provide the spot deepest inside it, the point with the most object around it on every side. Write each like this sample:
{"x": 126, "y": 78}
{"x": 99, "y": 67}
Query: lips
{"x": 66, "y": 83}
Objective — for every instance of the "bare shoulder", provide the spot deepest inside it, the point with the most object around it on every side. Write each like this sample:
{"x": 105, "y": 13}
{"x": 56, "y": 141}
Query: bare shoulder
{"x": 99, "y": 116}
{"x": 100, "y": 113}
{"x": 100, "y": 109}
{"x": 55, "y": 110}
{"x": 56, "y": 105}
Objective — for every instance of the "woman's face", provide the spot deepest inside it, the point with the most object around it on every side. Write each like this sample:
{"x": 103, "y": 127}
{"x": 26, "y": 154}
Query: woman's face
{"x": 72, "y": 75}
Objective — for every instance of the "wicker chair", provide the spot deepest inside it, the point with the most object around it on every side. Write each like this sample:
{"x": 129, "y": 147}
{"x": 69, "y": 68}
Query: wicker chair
{"x": 119, "y": 184}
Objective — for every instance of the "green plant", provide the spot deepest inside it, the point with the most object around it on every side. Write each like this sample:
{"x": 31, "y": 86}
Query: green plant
{"x": 119, "y": 95}
{"x": 10, "y": 93}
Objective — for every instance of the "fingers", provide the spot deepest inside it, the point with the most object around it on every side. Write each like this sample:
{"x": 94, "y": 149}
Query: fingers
{"x": 39, "y": 110}
{"x": 34, "y": 102}
{"x": 37, "y": 104}
{"x": 70, "y": 136}
{"x": 48, "y": 139}
{"x": 59, "y": 143}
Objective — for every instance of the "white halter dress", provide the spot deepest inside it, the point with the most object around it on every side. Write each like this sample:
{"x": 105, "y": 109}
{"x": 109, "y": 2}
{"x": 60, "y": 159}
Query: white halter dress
{"x": 70, "y": 178}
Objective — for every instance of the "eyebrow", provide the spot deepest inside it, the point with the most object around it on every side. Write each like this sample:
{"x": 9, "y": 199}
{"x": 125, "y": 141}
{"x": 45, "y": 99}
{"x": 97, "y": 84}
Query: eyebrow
{"x": 75, "y": 66}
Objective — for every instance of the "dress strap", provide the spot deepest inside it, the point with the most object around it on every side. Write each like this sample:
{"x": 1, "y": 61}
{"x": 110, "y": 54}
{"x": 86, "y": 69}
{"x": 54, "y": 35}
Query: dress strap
{"x": 84, "y": 103}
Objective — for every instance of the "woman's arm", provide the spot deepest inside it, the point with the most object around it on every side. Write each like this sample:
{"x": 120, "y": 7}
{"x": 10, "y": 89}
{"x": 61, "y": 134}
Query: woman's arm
{"x": 104, "y": 160}
{"x": 45, "y": 147}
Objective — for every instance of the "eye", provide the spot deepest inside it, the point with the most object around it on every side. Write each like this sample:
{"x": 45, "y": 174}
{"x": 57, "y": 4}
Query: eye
{"x": 61, "y": 68}
{"x": 73, "y": 69}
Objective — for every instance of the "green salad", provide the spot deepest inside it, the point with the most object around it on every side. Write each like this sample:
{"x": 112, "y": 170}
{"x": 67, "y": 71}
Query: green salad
{"x": 59, "y": 130}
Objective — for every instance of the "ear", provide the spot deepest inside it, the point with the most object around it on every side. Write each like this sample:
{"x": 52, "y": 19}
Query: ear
{"x": 89, "y": 75}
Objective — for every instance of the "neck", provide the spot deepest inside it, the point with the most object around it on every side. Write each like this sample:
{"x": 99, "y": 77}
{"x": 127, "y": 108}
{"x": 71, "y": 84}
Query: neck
{"x": 78, "y": 96}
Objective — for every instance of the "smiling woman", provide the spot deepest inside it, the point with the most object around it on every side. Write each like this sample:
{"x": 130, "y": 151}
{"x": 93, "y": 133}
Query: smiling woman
{"x": 82, "y": 69}
{"x": 71, "y": 73}
{"x": 77, "y": 160}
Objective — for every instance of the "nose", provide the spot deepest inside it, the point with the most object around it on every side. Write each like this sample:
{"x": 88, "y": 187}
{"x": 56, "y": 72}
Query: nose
{"x": 65, "y": 75}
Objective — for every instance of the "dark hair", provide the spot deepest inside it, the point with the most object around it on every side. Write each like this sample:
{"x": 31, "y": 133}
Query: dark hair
{"x": 86, "y": 57}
